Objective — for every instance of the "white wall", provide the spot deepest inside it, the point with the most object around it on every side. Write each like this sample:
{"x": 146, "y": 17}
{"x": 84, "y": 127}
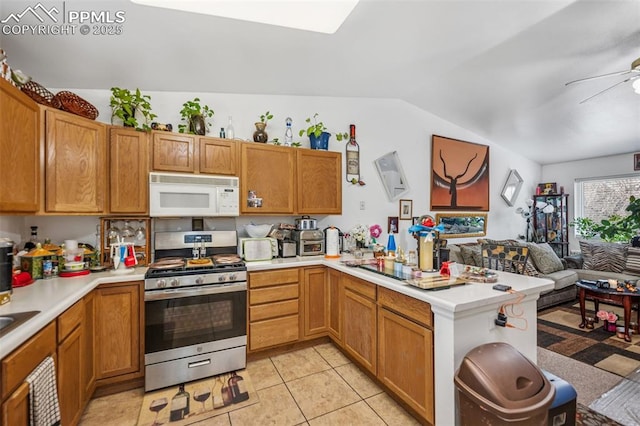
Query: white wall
{"x": 382, "y": 125}
{"x": 565, "y": 175}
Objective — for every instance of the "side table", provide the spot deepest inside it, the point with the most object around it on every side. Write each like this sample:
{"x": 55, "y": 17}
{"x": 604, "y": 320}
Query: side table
{"x": 609, "y": 295}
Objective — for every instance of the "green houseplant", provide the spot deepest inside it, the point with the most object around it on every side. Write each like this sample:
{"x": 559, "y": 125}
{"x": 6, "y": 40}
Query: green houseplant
{"x": 260, "y": 135}
{"x": 126, "y": 104}
{"x": 318, "y": 134}
{"x": 195, "y": 116}
{"x": 614, "y": 228}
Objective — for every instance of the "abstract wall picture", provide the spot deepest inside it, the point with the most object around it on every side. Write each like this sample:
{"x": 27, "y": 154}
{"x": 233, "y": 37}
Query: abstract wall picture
{"x": 459, "y": 175}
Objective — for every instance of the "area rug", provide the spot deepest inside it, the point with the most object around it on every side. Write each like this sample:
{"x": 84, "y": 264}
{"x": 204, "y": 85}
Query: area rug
{"x": 558, "y": 331}
{"x": 200, "y": 400}
{"x": 587, "y": 417}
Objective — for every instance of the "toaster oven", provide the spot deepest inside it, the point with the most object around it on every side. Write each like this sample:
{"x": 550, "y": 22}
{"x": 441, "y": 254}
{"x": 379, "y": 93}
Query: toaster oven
{"x": 253, "y": 249}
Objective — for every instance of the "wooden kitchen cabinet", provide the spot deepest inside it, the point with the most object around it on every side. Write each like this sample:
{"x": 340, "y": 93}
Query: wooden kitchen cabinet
{"x": 316, "y": 303}
{"x": 359, "y": 324}
{"x": 128, "y": 171}
{"x": 119, "y": 351}
{"x": 405, "y": 350}
{"x": 274, "y": 315}
{"x": 218, "y": 156}
{"x": 88, "y": 365}
{"x": 270, "y": 172}
{"x": 21, "y": 160}
{"x": 173, "y": 152}
{"x": 319, "y": 182}
{"x": 15, "y": 368}
{"x": 334, "y": 297}
{"x": 76, "y": 166}
{"x": 71, "y": 360}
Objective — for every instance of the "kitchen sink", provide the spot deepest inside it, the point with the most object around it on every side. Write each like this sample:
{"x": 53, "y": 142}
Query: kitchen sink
{"x": 12, "y": 321}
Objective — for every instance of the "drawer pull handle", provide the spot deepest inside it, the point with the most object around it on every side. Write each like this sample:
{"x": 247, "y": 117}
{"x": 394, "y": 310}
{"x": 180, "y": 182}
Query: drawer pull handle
{"x": 199, "y": 363}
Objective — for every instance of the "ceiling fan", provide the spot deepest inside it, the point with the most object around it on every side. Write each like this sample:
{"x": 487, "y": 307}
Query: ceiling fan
{"x": 634, "y": 74}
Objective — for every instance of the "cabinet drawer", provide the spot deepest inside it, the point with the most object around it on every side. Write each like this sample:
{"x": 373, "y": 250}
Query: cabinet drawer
{"x": 273, "y": 310}
{"x": 269, "y": 278}
{"x": 273, "y": 332}
{"x": 273, "y": 294}
{"x": 69, "y": 320}
{"x": 411, "y": 308}
{"x": 21, "y": 362}
{"x": 359, "y": 286}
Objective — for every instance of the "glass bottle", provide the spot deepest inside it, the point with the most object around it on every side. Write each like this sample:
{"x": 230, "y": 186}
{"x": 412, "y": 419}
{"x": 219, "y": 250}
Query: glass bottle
{"x": 179, "y": 405}
{"x": 231, "y": 134}
{"x": 34, "y": 235}
{"x": 222, "y": 133}
{"x": 288, "y": 133}
{"x": 353, "y": 156}
{"x": 238, "y": 388}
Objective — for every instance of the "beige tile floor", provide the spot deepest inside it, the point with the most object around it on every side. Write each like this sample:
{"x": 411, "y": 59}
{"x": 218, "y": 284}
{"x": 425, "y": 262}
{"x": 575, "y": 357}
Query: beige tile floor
{"x": 312, "y": 386}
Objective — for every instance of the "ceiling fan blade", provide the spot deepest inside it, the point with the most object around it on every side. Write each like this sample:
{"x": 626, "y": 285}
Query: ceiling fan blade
{"x": 580, "y": 80}
{"x": 608, "y": 88}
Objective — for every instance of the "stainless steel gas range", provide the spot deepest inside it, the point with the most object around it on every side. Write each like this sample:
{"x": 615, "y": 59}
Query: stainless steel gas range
{"x": 195, "y": 308}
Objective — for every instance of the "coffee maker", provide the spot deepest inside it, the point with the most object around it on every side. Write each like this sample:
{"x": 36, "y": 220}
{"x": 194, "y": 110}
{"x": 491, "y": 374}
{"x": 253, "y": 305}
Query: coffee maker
{"x": 6, "y": 268}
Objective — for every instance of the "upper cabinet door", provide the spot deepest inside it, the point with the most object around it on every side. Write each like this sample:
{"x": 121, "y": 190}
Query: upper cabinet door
{"x": 173, "y": 152}
{"x": 270, "y": 172}
{"x": 20, "y": 159}
{"x": 218, "y": 156}
{"x": 76, "y": 166}
{"x": 319, "y": 179}
{"x": 128, "y": 171}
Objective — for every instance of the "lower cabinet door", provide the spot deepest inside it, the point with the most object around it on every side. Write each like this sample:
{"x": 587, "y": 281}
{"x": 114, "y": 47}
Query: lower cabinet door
{"x": 405, "y": 361}
{"x": 359, "y": 328}
{"x": 15, "y": 410}
{"x": 70, "y": 377}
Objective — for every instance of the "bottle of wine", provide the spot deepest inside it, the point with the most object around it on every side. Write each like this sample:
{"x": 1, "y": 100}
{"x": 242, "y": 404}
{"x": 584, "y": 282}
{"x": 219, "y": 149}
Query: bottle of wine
{"x": 238, "y": 388}
{"x": 353, "y": 156}
{"x": 179, "y": 405}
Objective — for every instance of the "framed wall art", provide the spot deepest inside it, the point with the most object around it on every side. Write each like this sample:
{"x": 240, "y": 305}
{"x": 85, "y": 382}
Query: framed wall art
{"x": 462, "y": 225}
{"x": 406, "y": 209}
{"x": 392, "y": 224}
{"x": 547, "y": 188}
{"x": 392, "y": 176}
{"x": 459, "y": 175}
{"x": 636, "y": 161}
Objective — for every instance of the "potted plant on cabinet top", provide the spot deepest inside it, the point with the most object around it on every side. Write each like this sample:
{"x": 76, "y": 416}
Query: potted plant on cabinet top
{"x": 318, "y": 135}
{"x": 196, "y": 116}
{"x": 125, "y": 105}
{"x": 260, "y": 135}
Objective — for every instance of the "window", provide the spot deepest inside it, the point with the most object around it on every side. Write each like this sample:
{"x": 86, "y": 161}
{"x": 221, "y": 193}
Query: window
{"x": 599, "y": 198}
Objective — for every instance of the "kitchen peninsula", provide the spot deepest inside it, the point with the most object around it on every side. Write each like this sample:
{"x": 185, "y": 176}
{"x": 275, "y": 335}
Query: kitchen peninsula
{"x": 456, "y": 319}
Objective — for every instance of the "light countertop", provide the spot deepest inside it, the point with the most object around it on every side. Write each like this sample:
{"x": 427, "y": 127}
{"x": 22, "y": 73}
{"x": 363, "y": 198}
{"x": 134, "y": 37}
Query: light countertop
{"x": 53, "y": 296}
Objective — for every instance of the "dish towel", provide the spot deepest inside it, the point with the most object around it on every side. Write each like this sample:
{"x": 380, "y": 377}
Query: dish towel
{"x": 44, "y": 409}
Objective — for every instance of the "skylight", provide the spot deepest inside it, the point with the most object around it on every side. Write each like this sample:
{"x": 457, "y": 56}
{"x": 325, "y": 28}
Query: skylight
{"x": 324, "y": 16}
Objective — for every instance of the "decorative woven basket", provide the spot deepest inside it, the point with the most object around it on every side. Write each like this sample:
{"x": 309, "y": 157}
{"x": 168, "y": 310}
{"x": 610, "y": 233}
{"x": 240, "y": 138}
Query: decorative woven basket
{"x": 38, "y": 93}
{"x": 70, "y": 102}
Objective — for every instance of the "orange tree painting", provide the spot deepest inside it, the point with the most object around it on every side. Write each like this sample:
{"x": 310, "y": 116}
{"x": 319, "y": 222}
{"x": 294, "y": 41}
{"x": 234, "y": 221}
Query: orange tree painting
{"x": 459, "y": 175}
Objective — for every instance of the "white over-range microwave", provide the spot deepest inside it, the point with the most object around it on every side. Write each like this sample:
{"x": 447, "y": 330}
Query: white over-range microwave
{"x": 183, "y": 195}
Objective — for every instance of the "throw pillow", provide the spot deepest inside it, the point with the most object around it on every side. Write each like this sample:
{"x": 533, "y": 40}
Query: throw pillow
{"x": 530, "y": 268}
{"x": 633, "y": 261}
{"x": 545, "y": 259}
{"x": 600, "y": 256}
{"x": 471, "y": 254}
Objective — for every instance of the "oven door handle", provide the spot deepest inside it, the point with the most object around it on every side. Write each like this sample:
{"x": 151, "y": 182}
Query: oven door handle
{"x": 176, "y": 293}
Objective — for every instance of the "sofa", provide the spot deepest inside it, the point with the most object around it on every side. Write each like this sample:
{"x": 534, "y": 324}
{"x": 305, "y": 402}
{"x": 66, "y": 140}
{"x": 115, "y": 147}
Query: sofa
{"x": 597, "y": 260}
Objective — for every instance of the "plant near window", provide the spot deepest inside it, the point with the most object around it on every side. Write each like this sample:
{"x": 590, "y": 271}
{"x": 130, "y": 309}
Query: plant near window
{"x": 125, "y": 104}
{"x": 191, "y": 113}
{"x": 615, "y": 228}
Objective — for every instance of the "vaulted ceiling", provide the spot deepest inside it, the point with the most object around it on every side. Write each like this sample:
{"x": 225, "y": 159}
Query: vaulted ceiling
{"x": 495, "y": 67}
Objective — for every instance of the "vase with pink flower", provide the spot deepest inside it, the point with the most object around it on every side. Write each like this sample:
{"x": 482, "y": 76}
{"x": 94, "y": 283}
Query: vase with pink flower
{"x": 609, "y": 320}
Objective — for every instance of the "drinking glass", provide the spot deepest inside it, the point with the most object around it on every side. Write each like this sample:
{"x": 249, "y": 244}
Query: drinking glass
{"x": 113, "y": 233}
{"x": 201, "y": 395}
{"x": 156, "y": 406}
{"x": 127, "y": 232}
{"x": 141, "y": 232}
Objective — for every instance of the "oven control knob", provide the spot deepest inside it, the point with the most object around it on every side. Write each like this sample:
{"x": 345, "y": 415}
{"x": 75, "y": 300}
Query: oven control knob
{"x": 161, "y": 283}
{"x": 175, "y": 282}
{"x": 232, "y": 277}
{"x": 222, "y": 277}
{"x": 200, "y": 280}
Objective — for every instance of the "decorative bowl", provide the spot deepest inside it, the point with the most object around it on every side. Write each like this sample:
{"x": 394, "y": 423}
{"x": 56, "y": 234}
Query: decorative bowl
{"x": 258, "y": 231}
{"x": 74, "y": 266}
